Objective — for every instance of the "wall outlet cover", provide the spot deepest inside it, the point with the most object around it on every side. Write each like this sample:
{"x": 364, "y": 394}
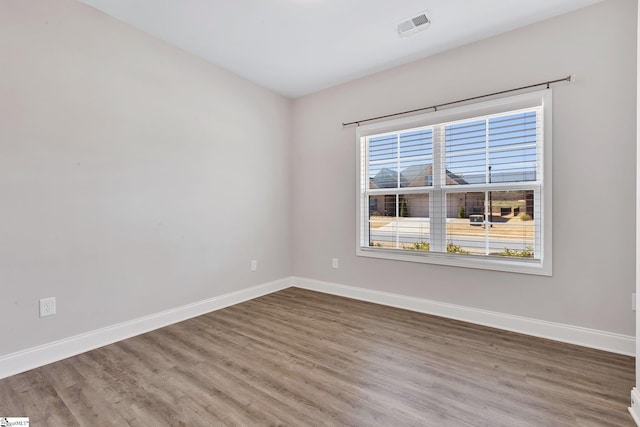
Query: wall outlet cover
{"x": 47, "y": 306}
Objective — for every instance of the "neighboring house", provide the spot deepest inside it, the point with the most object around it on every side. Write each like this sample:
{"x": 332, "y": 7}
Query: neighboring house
{"x": 413, "y": 205}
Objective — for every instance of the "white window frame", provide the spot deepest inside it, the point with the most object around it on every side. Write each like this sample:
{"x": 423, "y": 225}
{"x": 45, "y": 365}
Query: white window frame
{"x": 542, "y": 265}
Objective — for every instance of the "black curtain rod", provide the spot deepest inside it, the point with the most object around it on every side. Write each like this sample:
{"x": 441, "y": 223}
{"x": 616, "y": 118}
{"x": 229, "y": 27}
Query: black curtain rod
{"x": 435, "y": 107}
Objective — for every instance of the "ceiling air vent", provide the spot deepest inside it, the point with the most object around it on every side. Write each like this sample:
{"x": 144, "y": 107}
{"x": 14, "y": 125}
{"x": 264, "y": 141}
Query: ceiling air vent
{"x": 412, "y": 25}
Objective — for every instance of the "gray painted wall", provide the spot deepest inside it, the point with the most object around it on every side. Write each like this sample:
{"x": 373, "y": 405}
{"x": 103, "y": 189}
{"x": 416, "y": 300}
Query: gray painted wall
{"x": 135, "y": 177}
{"x": 593, "y": 167}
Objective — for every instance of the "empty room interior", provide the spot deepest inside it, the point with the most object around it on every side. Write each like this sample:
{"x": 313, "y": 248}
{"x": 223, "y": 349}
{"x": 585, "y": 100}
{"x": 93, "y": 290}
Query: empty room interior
{"x": 319, "y": 212}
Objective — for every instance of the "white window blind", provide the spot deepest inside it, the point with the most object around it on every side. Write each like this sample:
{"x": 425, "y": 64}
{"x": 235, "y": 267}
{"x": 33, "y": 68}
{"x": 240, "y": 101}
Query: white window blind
{"x": 469, "y": 190}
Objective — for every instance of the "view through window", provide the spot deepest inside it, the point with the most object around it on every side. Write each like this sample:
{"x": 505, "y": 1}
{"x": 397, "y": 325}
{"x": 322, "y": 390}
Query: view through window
{"x": 467, "y": 188}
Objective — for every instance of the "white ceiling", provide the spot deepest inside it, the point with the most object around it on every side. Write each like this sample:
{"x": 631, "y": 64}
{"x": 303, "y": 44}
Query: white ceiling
{"x": 296, "y": 47}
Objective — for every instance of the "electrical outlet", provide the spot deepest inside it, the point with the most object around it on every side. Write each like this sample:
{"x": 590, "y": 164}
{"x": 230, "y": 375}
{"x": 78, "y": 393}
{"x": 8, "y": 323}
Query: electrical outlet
{"x": 47, "y": 307}
{"x": 254, "y": 265}
{"x": 334, "y": 263}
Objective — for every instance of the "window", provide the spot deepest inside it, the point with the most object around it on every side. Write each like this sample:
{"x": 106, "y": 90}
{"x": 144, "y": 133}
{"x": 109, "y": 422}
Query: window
{"x": 469, "y": 186}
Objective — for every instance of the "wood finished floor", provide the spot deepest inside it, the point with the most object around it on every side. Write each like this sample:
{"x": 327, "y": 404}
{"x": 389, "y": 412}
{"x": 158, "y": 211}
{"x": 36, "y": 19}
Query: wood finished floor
{"x": 300, "y": 358}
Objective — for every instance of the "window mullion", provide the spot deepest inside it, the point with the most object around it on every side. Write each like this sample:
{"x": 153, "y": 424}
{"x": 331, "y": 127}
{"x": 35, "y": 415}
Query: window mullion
{"x": 364, "y": 193}
{"x": 487, "y": 223}
{"x": 537, "y": 218}
{"x": 436, "y": 203}
{"x": 488, "y": 218}
{"x": 397, "y": 197}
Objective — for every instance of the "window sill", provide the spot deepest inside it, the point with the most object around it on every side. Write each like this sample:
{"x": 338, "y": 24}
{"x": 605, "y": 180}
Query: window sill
{"x": 536, "y": 267}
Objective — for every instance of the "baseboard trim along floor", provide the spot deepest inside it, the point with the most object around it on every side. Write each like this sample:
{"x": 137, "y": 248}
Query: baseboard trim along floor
{"x": 34, "y": 357}
{"x": 25, "y": 360}
{"x": 601, "y": 340}
{"x": 634, "y": 409}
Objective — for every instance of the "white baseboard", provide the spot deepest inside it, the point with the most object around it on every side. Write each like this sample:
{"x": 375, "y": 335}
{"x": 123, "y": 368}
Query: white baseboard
{"x": 634, "y": 409}
{"x": 34, "y": 357}
{"x": 616, "y": 343}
